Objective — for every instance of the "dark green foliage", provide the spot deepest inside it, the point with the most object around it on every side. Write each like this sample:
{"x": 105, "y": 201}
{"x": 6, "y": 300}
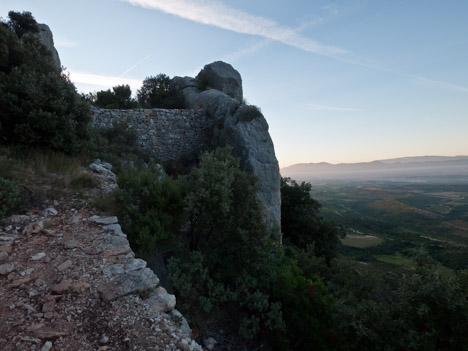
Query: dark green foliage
{"x": 231, "y": 246}
{"x": 157, "y": 92}
{"x": 203, "y": 81}
{"x": 307, "y": 306}
{"x": 423, "y": 310}
{"x": 9, "y": 196}
{"x": 84, "y": 181}
{"x": 39, "y": 106}
{"x": 196, "y": 288}
{"x": 120, "y": 97}
{"x": 117, "y": 145}
{"x": 21, "y": 23}
{"x": 301, "y": 221}
{"x": 248, "y": 113}
{"x": 149, "y": 208}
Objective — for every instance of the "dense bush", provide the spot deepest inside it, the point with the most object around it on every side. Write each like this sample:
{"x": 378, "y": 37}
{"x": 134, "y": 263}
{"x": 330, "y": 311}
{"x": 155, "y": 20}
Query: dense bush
{"x": 301, "y": 222}
{"x": 39, "y": 106}
{"x": 120, "y": 97}
{"x": 9, "y": 196}
{"x": 426, "y": 311}
{"x": 230, "y": 244}
{"x": 149, "y": 208}
{"x": 157, "y": 92}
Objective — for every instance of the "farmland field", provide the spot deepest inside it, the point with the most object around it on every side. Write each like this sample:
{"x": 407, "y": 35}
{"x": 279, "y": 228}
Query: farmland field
{"x": 386, "y": 223}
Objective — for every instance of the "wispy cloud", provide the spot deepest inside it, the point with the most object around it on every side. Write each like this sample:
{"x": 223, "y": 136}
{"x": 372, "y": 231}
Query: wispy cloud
{"x": 215, "y": 13}
{"x": 102, "y": 81}
{"x": 63, "y": 43}
{"x": 316, "y": 107}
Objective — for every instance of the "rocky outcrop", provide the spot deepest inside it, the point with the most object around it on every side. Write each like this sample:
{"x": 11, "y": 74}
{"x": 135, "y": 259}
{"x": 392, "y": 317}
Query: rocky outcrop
{"x": 223, "y": 77}
{"x": 241, "y": 126}
{"x": 47, "y": 39}
{"x": 214, "y": 117}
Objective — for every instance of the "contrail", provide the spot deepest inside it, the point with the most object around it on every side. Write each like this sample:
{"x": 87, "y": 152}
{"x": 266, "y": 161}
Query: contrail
{"x": 136, "y": 65}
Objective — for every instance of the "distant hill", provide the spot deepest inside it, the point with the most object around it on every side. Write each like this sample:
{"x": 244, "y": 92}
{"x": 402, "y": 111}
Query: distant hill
{"x": 421, "y": 168}
{"x": 424, "y": 159}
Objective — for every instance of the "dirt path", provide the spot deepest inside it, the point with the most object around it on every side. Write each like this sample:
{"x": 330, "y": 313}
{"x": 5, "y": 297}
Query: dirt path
{"x": 68, "y": 282}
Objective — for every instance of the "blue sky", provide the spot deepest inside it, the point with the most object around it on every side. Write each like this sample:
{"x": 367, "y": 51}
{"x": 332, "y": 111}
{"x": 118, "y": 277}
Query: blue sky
{"x": 337, "y": 81}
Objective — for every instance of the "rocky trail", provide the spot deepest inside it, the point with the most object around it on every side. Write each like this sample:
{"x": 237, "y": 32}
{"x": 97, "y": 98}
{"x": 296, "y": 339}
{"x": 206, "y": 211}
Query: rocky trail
{"x": 69, "y": 281}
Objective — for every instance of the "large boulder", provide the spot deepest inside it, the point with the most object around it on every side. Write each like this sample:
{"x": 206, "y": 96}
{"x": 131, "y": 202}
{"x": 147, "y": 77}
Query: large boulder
{"x": 47, "y": 39}
{"x": 245, "y": 129}
{"x": 223, "y": 77}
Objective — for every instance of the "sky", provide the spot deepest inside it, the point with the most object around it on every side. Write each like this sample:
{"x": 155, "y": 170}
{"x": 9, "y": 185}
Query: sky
{"x": 337, "y": 81}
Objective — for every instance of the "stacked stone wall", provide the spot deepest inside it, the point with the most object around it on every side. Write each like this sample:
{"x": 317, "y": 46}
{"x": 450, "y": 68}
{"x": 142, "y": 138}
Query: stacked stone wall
{"x": 166, "y": 134}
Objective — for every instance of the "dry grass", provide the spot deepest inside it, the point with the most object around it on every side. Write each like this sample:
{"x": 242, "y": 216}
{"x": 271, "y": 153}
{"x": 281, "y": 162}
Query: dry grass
{"x": 43, "y": 174}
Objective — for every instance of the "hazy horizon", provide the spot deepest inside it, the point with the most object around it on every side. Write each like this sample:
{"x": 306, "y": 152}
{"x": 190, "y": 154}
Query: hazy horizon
{"x": 369, "y": 161}
{"x": 338, "y": 81}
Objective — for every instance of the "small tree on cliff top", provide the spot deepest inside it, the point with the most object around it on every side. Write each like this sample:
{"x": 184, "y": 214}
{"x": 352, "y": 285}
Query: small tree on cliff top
{"x": 157, "y": 92}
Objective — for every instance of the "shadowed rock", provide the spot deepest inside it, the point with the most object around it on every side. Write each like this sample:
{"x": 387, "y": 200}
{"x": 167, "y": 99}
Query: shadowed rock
{"x": 241, "y": 126}
{"x": 223, "y": 77}
{"x": 139, "y": 281}
{"x": 47, "y": 39}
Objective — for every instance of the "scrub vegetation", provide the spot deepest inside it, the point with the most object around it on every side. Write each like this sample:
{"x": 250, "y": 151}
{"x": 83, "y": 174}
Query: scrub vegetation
{"x": 290, "y": 288}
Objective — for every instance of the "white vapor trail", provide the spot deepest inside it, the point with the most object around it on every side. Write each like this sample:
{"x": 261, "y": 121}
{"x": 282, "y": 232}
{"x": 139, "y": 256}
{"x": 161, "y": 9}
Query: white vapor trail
{"x": 217, "y": 14}
{"x": 136, "y": 65}
{"x": 212, "y": 12}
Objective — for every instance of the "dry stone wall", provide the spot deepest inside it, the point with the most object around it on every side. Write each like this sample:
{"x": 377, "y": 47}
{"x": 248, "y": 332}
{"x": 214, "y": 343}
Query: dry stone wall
{"x": 166, "y": 134}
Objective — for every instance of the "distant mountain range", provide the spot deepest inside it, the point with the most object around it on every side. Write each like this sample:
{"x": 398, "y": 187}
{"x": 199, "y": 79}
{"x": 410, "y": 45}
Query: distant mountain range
{"x": 418, "y": 168}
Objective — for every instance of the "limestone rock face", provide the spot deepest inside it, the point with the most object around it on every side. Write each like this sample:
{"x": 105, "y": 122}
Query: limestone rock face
{"x": 223, "y": 77}
{"x": 245, "y": 129}
{"x": 47, "y": 39}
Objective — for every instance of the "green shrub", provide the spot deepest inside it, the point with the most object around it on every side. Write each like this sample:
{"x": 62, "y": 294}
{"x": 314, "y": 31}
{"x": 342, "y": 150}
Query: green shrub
{"x": 84, "y": 181}
{"x": 39, "y": 106}
{"x": 120, "y": 97}
{"x": 307, "y": 306}
{"x": 203, "y": 82}
{"x": 233, "y": 247}
{"x": 9, "y": 196}
{"x": 150, "y": 208}
{"x": 248, "y": 113}
{"x": 158, "y": 92}
{"x": 106, "y": 203}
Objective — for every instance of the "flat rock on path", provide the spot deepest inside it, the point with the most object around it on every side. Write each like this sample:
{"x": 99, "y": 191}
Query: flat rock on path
{"x": 69, "y": 284}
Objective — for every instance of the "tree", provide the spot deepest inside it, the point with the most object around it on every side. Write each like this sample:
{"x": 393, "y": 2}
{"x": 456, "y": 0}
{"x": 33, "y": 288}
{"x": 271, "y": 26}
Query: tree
{"x": 39, "y": 106}
{"x": 120, "y": 97}
{"x": 150, "y": 206}
{"x": 426, "y": 311}
{"x": 231, "y": 250}
{"x": 301, "y": 222}
{"x": 21, "y": 23}
{"x": 158, "y": 92}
